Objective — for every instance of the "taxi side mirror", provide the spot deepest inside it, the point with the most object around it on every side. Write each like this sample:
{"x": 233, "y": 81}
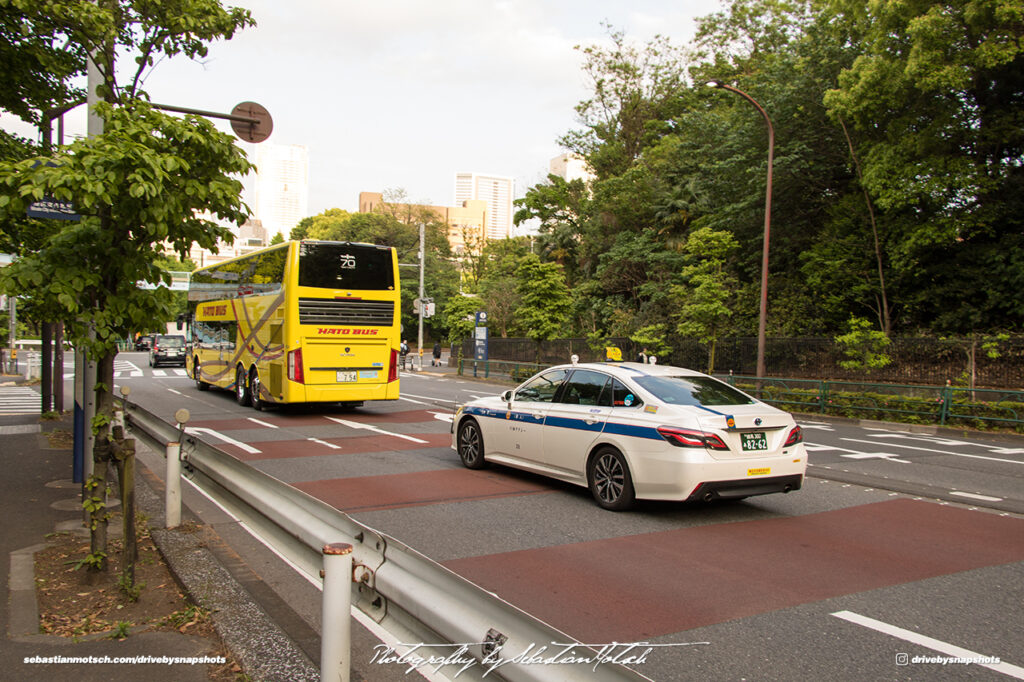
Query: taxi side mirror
{"x": 507, "y": 397}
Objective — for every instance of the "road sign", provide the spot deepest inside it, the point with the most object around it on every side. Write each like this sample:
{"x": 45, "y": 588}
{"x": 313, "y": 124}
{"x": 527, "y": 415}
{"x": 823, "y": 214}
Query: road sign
{"x": 258, "y": 126}
{"x": 53, "y": 209}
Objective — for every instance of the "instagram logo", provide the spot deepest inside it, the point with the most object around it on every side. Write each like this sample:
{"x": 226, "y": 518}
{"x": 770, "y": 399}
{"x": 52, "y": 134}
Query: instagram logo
{"x": 902, "y": 659}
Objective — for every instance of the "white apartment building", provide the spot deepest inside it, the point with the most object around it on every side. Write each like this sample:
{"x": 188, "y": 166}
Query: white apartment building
{"x": 497, "y": 191}
{"x": 570, "y": 167}
{"x": 281, "y": 187}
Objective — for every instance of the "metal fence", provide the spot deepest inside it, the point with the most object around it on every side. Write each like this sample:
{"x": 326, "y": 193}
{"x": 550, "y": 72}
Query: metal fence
{"x": 914, "y": 360}
{"x": 908, "y": 403}
{"x": 977, "y": 408}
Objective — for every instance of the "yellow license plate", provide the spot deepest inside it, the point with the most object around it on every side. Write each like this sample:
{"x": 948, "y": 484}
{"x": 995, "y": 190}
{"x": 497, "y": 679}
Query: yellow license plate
{"x": 760, "y": 471}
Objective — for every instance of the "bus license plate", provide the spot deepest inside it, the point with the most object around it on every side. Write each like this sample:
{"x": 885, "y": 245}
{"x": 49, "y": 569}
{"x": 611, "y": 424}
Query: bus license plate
{"x": 753, "y": 441}
{"x": 346, "y": 376}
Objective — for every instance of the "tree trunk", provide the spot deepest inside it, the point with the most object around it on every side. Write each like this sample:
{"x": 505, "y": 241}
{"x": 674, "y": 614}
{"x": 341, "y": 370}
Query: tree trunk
{"x": 101, "y": 454}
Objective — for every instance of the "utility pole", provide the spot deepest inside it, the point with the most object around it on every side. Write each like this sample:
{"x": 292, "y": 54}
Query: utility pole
{"x": 419, "y": 311}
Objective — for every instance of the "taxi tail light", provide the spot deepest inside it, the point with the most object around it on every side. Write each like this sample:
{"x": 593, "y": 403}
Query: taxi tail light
{"x": 795, "y": 436}
{"x": 295, "y": 366}
{"x": 393, "y": 366}
{"x": 691, "y": 438}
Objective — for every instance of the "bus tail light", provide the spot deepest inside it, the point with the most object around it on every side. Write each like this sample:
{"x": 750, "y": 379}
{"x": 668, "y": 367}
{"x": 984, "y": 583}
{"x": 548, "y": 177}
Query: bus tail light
{"x": 393, "y": 366}
{"x": 295, "y": 366}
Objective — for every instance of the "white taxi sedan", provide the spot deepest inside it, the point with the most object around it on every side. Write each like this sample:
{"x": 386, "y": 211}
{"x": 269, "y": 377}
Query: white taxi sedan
{"x": 632, "y": 431}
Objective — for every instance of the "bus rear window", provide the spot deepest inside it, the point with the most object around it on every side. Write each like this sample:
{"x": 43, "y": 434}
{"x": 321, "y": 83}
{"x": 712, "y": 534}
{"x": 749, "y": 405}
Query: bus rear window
{"x": 345, "y": 266}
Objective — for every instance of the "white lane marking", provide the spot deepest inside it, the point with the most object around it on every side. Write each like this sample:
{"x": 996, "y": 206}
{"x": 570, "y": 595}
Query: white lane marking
{"x": 159, "y": 372}
{"x": 443, "y": 416}
{"x": 210, "y": 432}
{"x": 408, "y": 396}
{"x": 878, "y": 455}
{"x": 815, "y": 427}
{"x": 262, "y": 423}
{"x": 815, "y": 447}
{"x": 976, "y": 496}
{"x": 938, "y": 452}
{"x": 357, "y": 425}
{"x": 332, "y": 446}
{"x": 947, "y": 441}
{"x": 175, "y": 392}
{"x": 410, "y": 400}
{"x": 930, "y": 643}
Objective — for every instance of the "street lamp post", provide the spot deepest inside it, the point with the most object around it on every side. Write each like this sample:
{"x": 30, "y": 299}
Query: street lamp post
{"x": 767, "y": 224}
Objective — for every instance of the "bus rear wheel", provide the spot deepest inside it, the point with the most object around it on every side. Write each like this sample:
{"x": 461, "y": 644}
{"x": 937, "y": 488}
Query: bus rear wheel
{"x": 254, "y": 390}
{"x": 242, "y": 394}
{"x": 200, "y": 384}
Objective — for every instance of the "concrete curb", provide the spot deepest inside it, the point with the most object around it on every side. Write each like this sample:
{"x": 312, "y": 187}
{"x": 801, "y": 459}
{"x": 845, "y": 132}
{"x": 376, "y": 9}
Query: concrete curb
{"x": 264, "y": 651}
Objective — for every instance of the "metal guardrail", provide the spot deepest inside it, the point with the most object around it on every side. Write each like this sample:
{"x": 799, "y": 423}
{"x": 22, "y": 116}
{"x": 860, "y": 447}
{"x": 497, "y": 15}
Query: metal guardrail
{"x": 412, "y": 597}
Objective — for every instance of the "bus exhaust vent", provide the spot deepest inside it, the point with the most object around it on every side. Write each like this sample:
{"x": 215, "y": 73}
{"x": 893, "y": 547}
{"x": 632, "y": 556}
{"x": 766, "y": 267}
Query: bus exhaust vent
{"x": 325, "y": 311}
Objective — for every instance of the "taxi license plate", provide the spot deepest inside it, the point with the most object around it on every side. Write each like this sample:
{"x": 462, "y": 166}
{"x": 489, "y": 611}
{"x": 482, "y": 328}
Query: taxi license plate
{"x": 754, "y": 440}
{"x": 346, "y": 376}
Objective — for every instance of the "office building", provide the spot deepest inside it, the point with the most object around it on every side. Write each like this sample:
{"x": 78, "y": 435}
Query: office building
{"x": 467, "y": 222}
{"x": 281, "y": 187}
{"x": 496, "y": 192}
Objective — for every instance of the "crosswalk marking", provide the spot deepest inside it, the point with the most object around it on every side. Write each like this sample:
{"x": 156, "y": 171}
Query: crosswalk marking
{"x": 19, "y": 400}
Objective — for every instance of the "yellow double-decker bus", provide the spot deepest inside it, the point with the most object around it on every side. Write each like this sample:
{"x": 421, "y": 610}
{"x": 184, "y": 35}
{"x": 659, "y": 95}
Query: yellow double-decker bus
{"x": 299, "y": 322}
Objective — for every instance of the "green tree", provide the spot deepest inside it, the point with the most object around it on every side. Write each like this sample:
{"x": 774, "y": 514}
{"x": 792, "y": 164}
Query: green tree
{"x": 40, "y": 61}
{"x": 498, "y": 289}
{"x": 707, "y": 290}
{"x": 545, "y": 299}
{"x": 459, "y": 317}
{"x": 138, "y": 185}
{"x": 933, "y": 101}
{"x": 865, "y": 348}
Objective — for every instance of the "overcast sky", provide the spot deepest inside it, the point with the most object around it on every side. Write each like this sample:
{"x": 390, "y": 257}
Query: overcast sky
{"x": 405, "y": 93}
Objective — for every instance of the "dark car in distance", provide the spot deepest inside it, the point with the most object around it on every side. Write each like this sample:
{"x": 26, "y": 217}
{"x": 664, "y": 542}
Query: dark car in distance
{"x": 167, "y": 349}
{"x": 143, "y": 343}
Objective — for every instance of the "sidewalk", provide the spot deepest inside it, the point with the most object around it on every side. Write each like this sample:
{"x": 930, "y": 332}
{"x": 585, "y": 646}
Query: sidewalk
{"x": 38, "y": 497}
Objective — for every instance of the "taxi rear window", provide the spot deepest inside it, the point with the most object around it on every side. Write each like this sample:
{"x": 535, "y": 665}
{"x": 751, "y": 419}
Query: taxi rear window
{"x": 699, "y": 391}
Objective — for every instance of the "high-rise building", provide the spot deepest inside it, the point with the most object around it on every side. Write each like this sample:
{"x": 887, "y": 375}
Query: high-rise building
{"x": 570, "y": 167}
{"x": 281, "y": 187}
{"x": 497, "y": 192}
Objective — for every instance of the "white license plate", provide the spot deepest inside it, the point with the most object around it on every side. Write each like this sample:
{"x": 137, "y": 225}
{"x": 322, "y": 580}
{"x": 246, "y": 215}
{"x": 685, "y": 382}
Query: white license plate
{"x": 346, "y": 376}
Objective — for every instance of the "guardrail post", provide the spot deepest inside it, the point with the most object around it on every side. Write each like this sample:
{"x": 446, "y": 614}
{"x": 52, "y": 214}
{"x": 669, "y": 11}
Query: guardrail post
{"x": 823, "y": 393}
{"x": 335, "y": 635}
{"x": 172, "y": 500}
{"x": 172, "y": 478}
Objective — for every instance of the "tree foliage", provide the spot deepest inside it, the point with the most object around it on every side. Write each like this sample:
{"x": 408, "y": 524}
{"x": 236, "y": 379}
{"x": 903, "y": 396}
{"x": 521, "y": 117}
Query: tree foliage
{"x": 897, "y": 178}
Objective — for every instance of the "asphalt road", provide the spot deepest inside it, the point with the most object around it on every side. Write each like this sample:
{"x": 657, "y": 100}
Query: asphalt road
{"x": 903, "y": 551}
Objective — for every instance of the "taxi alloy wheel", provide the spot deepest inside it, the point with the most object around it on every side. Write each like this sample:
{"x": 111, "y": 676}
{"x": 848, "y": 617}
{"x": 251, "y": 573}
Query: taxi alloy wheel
{"x": 610, "y": 481}
{"x": 471, "y": 445}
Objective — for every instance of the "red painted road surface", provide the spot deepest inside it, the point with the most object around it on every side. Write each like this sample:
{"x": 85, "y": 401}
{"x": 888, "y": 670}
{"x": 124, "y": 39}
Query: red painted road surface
{"x": 660, "y": 583}
{"x": 665, "y": 582}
